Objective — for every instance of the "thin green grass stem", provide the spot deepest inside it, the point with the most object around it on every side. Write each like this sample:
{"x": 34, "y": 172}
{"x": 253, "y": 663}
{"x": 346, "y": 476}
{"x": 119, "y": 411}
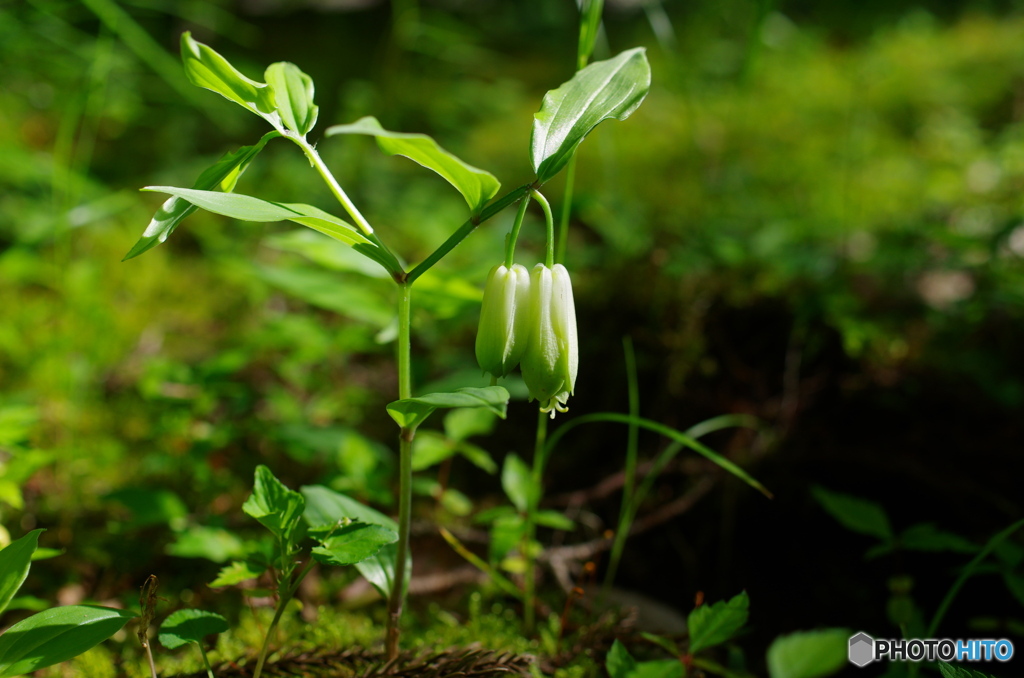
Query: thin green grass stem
{"x": 629, "y": 484}
{"x": 270, "y": 634}
{"x": 536, "y": 478}
{"x": 206, "y": 660}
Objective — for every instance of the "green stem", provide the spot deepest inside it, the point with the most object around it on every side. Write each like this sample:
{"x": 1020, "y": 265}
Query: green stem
{"x": 467, "y": 228}
{"x": 530, "y": 601}
{"x": 270, "y": 633}
{"x": 510, "y": 244}
{"x": 549, "y": 222}
{"x": 563, "y": 222}
{"x": 405, "y": 439}
{"x": 625, "y": 512}
{"x": 332, "y": 183}
{"x": 206, "y": 660}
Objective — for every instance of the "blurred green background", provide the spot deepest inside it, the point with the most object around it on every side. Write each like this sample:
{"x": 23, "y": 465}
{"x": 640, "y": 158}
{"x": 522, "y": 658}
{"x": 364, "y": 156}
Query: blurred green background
{"x": 814, "y": 218}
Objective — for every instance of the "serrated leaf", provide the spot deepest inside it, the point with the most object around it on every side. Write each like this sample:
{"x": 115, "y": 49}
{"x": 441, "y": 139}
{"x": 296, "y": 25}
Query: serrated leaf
{"x": 190, "y": 626}
{"x": 248, "y": 208}
{"x": 808, "y": 654}
{"x": 516, "y": 481}
{"x": 619, "y": 663}
{"x": 206, "y": 68}
{"x": 15, "y": 561}
{"x": 274, "y": 505}
{"x": 613, "y": 88}
{"x": 712, "y": 625}
{"x": 854, "y": 513}
{"x": 293, "y": 94}
{"x": 353, "y": 544}
{"x": 221, "y": 176}
{"x": 236, "y": 573}
{"x": 475, "y": 185}
{"x": 411, "y": 412}
{"x": 327, "y": 507}
{"x": 55, "y": 635}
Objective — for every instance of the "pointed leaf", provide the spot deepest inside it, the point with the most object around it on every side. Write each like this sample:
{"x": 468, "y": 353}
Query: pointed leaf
{"x": 56, "y": 635}
{"x": 206, "y": 68}
{"x": 248, "y": 208}
{"x": 221, "y": 176}
{"x": 712, "y": 625}
{"x": 15, "y": 561}
{"x": 854, "y": 513}
{"x": 927, "y": 537}
{"x": 293, "y": 94}
{"x": 809, "y": 654}
{"x": 237, "y": 572}
{"x": 411, "y": 412}
{"x": 353, "y": 544}
{"x": 190, "y": 626}
{"x": 274, "y": 505}
{"x": 475, "y": 185}
{"x": 326, "y": 507}
{"x": 516, "y": 481}
{"x": 590, "y": 23}
{"x": 605, "y": 89}
{"x": 620, "y": 662}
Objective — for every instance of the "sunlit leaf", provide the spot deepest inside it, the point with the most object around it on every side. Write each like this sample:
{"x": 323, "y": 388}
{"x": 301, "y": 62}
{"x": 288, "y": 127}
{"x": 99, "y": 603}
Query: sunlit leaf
{"x": 475, "y": 185}
{"x": 206, "y": 68}
{"x": 353, "y": 544}
{"x": 613, "y": 88}
{"x": 15, "y": 561}
{"x": 248, "y": 208}
{"x": 274, "y": 505}
{"x": 712, "y": 625}
{"x": 221, "y": 176}
{"x": 293, "y": 94}
{"x": 411, "y": 412}
{"x": 808, "y": 654}
{"x": 56, "y": 635}
{"x": 190, "y": 626}
{"x": 236, "y": 573}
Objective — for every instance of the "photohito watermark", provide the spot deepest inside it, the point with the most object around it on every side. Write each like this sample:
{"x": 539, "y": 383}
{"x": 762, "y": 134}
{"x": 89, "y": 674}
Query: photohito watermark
{"x": 864, "y": 649}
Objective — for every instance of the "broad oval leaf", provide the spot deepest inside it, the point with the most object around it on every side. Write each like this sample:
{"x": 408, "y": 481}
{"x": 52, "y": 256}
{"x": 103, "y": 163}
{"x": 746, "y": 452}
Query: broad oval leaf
{"x": 613, "y": 88}
{"x": 56, "y": 635}
{"x": 411, "y": 412}
{"x": 274, "y": 505}
{"x": 221, "y": 176}
{"x": 353, "y": 544}
{"x": 808, "y": 654}
{"x": 293, "y": 94}
{"x": 206, "y": 68}
{"x": 516, "y": 480}
{"x": 248, "y": 208}
{"x": 712, "y": 625}
{"x": 190, "y": 626}
{"x": 475, "y": 185}
{"x": 15, "y": 561}
{"x": 326, "y": 507}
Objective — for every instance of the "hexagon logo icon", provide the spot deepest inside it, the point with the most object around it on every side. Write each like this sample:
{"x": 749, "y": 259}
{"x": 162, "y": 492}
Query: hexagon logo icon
{"x": 862, "y": 649}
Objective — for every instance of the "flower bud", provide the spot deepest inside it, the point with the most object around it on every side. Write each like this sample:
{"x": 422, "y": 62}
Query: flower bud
{"x": 552, "y": 353}
{"x": 501, "y": 337}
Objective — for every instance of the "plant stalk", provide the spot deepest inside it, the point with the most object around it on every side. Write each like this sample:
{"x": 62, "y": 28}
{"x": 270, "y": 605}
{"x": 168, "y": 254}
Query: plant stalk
{"x": 513, "y": 236}
{"x": 549, "y": 222}
{"x": 405, "y": 439}
{"x": 563, "y": 221}
{"x": 206, "y": 660}
{"x": 628, "y": 510}
{"x": 530, "y": 599}
{"x": 270, "y": 633}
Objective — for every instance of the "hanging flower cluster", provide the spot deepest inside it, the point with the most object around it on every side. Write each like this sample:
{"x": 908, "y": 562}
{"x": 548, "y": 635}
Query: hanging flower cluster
{"x": 530, "y": 319}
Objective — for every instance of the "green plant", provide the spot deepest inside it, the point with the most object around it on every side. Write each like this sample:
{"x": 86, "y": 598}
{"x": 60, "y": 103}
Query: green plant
{"x": 53, "y": 635}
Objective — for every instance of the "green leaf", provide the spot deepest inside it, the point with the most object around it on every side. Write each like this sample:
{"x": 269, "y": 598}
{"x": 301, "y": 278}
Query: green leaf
{"x": 236, "y": 573}
{"x": 207, "y": 69}
{"x": 15, "y": 561}
{"x": 430, "y": 448}
{"x": 475, "y": 185}
{"x": 411, "y": 412}
{"x": 190, "y": 626}
{"x": 590, "y": 22}
{"x": 712, "y": 625}
{"x": 619, "y": 662}
{"x": 221, "y": 176}
{"x": 212, "y": 543}
{"x": 275, "y": 506}
{"x": 477, "y": 456}
{"x": 605, "y": 89}
{"x": 808, "y": 654}
{"x": 326, "y": 252}
{"x": 293, "y": 94}
{"x": 951, "y": 671}
{"x": 854, "y": 513}
{"x": 321, "y": 288}
{"x": 327, "y": 507}
{"x": 149, "y": 506}
{"x": 554, "y": 520}
{"x": 353, "y": 544}
{"x": 507, "y": 532}
{"x": 516, "y": 481}
{"x": 248, "y": 208}
{"x": 659, "y": 668}
{"x": 55, "y": 635}
{"x": 927, "y": 537}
